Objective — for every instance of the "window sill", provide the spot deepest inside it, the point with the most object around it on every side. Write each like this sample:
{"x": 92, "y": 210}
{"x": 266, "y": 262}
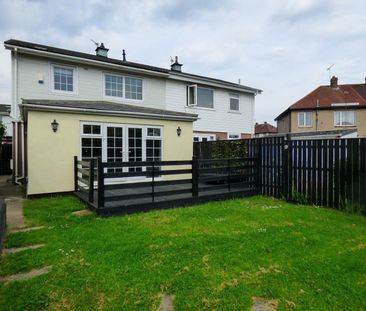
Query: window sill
{"x": 122, "y": 99}
{"x": 200, "y": 108}
{"x": 234, "y": 112}
{"x": 305, "y": 126}
{"x": 345, "y": 125}
{"x": 67, "y": 93}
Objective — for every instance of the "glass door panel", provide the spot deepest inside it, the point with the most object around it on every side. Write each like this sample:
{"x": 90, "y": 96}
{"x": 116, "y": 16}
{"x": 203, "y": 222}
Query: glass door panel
{"x": 114, "y": 147}
{"x": 135, "y": 147}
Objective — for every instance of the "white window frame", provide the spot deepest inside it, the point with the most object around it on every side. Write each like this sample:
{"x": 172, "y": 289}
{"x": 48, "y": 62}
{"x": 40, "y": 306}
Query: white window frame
{"x": 194, "y": 87}
{"x": 233, "y": 133}
{"x": 303, "y": 113}
{"x": 342, "y": 119}
{"x": 195, "y": 104}
{"x": 104, "y": 82}
{"x": 74, "y": 79}
{"x": 117, "y": 98}
{"x": 125, "y": 127}
{"x": 234, "y": 96}
{"x": 200, "y": 136}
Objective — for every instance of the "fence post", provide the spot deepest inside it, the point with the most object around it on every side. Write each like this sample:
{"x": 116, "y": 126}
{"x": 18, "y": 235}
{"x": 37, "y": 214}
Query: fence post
{"x": 259, "y": 168}
{"x": 285, "y": 168}
{"x": 100, "y": 183}
{"x": 228, "y": 175}
{"x": 76, "y": 173}
{"x": 153, "y": 181}
{"x": 91, "y": 180}
{"x": 195, "y": 165}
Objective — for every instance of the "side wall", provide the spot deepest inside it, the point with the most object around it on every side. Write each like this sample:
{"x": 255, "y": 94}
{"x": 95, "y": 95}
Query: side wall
{"x": 50, "y": 155}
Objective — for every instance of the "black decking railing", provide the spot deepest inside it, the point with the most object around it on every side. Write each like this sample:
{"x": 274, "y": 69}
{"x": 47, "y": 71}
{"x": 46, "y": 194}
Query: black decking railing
{"x": 112, "y": 187}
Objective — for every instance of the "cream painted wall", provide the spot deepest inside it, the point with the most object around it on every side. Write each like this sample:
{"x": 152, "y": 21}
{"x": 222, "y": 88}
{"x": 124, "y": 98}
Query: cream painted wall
{"x": 50, "y": 155}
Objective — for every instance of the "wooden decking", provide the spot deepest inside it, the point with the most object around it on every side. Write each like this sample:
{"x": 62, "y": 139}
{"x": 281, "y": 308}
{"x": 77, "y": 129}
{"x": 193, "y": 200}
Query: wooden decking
{"x": 197, "y": 182}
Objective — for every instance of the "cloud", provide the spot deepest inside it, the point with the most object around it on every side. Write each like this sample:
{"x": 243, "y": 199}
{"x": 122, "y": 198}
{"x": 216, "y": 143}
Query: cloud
{"x": 281, "y": 47}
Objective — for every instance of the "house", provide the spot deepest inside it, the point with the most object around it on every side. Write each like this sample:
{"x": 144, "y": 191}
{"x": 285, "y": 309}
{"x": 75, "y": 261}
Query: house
{"x": 68, "y": 103}
{"x": 264, "y": 129}
{"x": 334, "y": 110}
{"x": 7, "y": 121}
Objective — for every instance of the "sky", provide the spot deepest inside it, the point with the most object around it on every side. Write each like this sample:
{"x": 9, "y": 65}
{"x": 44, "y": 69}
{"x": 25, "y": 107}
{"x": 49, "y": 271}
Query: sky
{"x": 282, "y": 47}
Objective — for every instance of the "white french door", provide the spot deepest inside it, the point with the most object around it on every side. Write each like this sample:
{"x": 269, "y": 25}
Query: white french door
{"x": 121, "y": 143}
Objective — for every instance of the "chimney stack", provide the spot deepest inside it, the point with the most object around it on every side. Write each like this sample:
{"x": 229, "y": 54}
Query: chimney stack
{"x": 334, "y": 82}
{"x": 101, "y": 50}
{"x": 176, "y": 66}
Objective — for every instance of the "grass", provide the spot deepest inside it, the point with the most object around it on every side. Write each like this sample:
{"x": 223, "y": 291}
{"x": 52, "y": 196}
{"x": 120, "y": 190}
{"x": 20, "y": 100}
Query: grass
{"x": 213, "y": 256}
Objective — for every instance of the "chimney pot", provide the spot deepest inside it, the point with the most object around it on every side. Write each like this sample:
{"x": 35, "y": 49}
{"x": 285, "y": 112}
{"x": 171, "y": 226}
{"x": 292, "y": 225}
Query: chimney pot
{"x": 101, "y": 50}
{"x": 124, "y": 55}
{"x": 334, "y": 82}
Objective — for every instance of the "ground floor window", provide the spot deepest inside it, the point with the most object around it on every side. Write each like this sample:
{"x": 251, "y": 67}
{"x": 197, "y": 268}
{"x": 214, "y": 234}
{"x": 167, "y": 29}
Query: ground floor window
{"x": 232, "y": 136}
{"x": 204, "y": 137}
{"x": 121, "y": 143}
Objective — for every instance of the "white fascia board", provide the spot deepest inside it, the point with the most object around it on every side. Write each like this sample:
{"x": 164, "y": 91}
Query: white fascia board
{"x": 82, "y": 60}
{"x": 109, "y": 112}
{"x": 215, "y": 84}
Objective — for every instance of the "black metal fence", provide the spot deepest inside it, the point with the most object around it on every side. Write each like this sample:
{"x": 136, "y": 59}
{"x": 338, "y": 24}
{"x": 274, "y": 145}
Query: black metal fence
{"x": 110, "y": 187}
{"x": 324, "y": 172}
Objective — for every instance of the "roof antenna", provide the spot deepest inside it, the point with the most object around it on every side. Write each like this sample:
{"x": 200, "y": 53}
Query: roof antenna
{"x": 239, "y": 81}
{"x": 96, "y": 43}
{"x": 329, "y": 70}
{"x": 171, "y": 60}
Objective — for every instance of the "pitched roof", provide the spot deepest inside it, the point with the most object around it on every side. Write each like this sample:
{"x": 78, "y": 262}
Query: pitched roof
{"x": 265, "y": 128}
{"x": 51, "y": 49}
{"x": 324, "y": 96}
{"x": 104, "y": 107}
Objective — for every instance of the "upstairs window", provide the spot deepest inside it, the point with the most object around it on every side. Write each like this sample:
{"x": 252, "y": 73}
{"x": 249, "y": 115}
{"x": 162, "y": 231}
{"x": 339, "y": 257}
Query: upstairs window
{"x": 133, "y": 88}
{"x": 63, "y": 79}
{"x": 344, "y": 118}
{"x": 305, "y": 119}
{"x": 234, "y": 102}
{"x": 200, "y": 97}
{"x": 122, "y": 87}
{"x": 113, "y": 85}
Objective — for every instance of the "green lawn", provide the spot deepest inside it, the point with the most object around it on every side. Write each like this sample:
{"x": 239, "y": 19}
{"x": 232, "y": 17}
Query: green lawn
{"x": 213, "y": 256}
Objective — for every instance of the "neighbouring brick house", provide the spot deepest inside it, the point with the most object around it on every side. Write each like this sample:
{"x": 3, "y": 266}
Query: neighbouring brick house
{"x": 335, "y": 109}
{"x": 264, "y": 129}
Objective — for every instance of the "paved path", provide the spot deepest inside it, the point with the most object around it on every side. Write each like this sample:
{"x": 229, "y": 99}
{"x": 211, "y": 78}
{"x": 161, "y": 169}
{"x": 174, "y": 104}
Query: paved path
{"x": 13, "y": 195}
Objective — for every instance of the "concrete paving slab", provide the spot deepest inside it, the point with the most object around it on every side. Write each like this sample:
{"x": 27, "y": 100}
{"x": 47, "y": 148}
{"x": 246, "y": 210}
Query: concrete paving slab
{"x": 26, "y": 275}
{"x": 20, "y": 249}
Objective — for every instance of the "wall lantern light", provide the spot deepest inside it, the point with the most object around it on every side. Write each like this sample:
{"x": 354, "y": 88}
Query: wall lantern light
{"x": 54, "y": 125}
{"x": 179, "y": 131}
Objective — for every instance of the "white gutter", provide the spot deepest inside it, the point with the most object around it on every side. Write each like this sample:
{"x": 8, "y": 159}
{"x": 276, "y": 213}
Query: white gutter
{"x": 110, "y": 112}
{"x": 86, "y": 61}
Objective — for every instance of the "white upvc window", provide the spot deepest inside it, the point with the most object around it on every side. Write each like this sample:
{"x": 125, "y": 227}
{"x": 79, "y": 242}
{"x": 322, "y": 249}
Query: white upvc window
{"x": 305, "y": 119}
{"x": 133, "y": 88}
{"x": 63, "y": 79}
{"x": 200, "y": 97}
{"x": 234, "y": 102}
{"x": 345, "y": 118}
{"x": 232, "y": 136}
{"x": 123, "y": 87}
{"x": 113, "y": 85}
